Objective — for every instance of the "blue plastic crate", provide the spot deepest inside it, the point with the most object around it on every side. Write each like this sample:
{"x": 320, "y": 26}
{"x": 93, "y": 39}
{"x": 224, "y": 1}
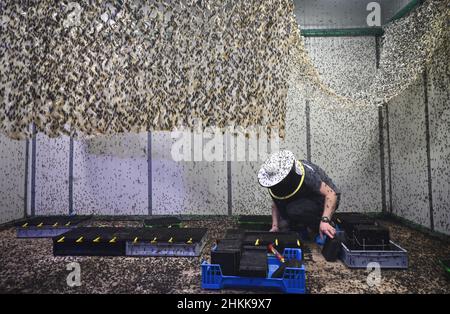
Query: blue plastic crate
{"x": 293, "y": 280}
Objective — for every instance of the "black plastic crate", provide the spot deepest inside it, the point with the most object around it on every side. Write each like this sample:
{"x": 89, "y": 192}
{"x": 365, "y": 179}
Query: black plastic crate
{"x": 234, "y": 234}
{"x": 249, "y": 219}
{"x": 366, "y": 235}
{"x": 48, "y": 226}
{"x": 92, "y": 241}
{"x": 255, "y": 222}
{"x": 280, "y": 240}
{"x": 252, "y": 247}
{"x": 255, "y": 227}
{"x": 332, "y": 249}
{"x": 352, "y": 245}
{"x": 229, "y": 244}
{"x": 352, "y": 219}
{"x": 253, "y": 263}
{"x": 227, "y": 254}
{"x": 115, "y": 241}
{"x": 351, "y": 216}
{"x": 348, "y": 221}
{"x": 160, "y": 222}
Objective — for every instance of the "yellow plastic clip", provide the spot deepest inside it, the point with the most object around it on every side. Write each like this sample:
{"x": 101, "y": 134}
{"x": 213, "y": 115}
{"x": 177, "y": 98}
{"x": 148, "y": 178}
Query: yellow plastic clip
{"x": 96, "y": 240}
{"x": 257, "y": 242}
{"x": 154, "y": 240}
{"x": 67, "y": 224}
{"x": 189, "y": 241}
{"x": 170, "y": 240}
{"x": 40, "y": 225}
{"x": 25, "y": 225}
{"x": 79, "y": 240}
{"x": 61, "y": 240}
{"x": 113, "y": 240}
{"x": 298, "y": 243}
{"x": 135, "y": 240}
{"x": 276, "y": 242}
{"x": 55, "y": 224}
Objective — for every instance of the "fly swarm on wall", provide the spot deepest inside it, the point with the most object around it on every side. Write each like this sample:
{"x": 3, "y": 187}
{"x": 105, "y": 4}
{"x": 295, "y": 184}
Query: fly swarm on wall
{"x": 129, "y": 66}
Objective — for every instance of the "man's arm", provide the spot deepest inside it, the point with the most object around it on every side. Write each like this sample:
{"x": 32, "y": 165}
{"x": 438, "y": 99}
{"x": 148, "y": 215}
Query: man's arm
{"x": 329, "y": 207}
{"x": 275, "y": 218}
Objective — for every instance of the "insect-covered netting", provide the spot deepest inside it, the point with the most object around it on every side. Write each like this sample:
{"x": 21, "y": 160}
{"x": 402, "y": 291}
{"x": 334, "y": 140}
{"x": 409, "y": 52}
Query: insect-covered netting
{"x": 103, "y": 67}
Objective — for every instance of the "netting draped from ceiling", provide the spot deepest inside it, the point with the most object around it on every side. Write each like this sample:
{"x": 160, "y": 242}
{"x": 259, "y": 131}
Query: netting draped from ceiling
{"x": 96, "y": 67}
{"x": 408, "y": 46}
{"x": 140, "y": 65}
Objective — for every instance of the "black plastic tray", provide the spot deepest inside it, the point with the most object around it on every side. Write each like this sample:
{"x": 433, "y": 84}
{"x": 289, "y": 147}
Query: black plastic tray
{"x": 112, "y": 241}
{"x": 162, "y": 222}
{"x": 253, "y": 263}
{"x": 48, "y": 226}
{"x": 60, "y": 220}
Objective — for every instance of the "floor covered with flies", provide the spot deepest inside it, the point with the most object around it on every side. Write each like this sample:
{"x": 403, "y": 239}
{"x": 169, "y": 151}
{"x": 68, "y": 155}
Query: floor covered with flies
{"x": 28, "y": 266}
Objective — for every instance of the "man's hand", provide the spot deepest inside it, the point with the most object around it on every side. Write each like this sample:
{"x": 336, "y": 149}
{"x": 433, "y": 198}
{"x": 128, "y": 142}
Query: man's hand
{"x": 274, "y": 229}
{"x": 326, "y": 228}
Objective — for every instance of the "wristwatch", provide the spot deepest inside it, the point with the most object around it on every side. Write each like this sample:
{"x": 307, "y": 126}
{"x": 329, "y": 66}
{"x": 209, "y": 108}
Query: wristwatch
{"x": 325, "y": 219}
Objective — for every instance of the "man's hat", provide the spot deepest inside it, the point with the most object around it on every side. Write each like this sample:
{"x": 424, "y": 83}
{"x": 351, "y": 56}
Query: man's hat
{"x": 282, "y": 174}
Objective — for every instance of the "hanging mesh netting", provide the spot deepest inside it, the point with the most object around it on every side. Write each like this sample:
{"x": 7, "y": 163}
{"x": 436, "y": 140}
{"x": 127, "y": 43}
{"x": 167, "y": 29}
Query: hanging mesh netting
{"x": 101, "y": 67}
{"x": 408, "y": 46}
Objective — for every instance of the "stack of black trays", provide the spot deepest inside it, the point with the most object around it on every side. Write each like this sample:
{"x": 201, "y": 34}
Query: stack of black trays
{"x": 91, "y": 241}
{"x": 111, "y": 241}
{"x": 244, "y": 253}
{"x": 348, "y": 222}
{"x": 227, "y": 254}
{"x": 253, "y": 263}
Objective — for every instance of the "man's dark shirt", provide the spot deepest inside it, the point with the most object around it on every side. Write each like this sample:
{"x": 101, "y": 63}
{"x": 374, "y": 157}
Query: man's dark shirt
{"x": 310, "y": 189}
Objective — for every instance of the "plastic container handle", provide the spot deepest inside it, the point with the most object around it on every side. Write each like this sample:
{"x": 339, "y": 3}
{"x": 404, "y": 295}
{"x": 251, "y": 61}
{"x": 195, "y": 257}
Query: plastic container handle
{"x": 275, "y": 252}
